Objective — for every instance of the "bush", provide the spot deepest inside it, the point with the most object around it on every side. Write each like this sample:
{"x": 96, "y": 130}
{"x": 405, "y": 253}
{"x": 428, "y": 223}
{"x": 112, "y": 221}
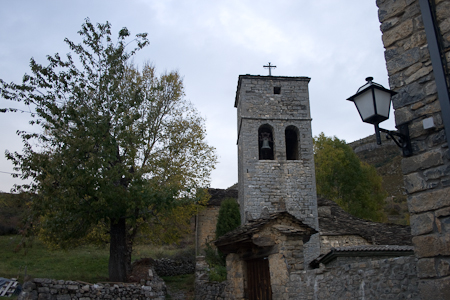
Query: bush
{"x": 218, "y": 273}
{"x": 229, "y": 217}
{"x": 217, "y": 264}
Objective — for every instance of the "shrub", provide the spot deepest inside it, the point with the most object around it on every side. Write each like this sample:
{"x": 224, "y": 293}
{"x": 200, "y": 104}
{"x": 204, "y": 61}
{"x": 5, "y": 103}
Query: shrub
{"x": 216, "y": 263}
{"x": 229, "y": 217}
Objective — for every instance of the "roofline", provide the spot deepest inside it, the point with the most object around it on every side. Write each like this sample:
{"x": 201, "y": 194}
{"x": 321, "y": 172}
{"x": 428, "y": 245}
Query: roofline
{"x": 340, "y": 252}
{"x": 260, "y": 77}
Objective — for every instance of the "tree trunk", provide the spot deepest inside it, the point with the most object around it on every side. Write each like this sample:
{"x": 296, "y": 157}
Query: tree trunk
{"x": 119, "y": 260}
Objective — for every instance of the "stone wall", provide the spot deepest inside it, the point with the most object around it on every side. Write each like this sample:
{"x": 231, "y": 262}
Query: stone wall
{"x": 205, "y": 289}
{"x": 206, "y": 230}
{"x": 344, "y": 278}
{"x": 427, "y": 172}
{"x": 393, "y": 278}
{"x": 207, "y": 218}
{"x": 174, "y": 267}
{"x": 40, "y": 288}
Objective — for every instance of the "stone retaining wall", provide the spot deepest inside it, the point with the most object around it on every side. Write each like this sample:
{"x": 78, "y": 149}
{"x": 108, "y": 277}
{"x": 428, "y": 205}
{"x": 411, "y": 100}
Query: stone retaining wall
{"x": 366, "y": 278}
{"x": 209, "y": 290}
{"x": 205, "y": 289}
{"x": 393, "y": 278}
{"x": 174, "y": 267}
{"x": 42, "y": 288}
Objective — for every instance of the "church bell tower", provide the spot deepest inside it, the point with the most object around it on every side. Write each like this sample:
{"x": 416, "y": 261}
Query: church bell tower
{"x": 275, "y": 148}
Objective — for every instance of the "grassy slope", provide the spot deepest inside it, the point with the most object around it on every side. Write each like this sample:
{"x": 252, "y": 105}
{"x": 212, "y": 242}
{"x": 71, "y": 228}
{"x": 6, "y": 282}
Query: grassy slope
{"x": 87, "y": 263}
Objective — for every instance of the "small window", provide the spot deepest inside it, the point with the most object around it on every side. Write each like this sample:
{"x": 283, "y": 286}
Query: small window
{"x": 265, "y": 142}
{"x": 291, "y": 143}
{"x": 277, "y": 89}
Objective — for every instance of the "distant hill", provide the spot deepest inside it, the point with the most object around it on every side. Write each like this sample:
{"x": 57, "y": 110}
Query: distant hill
{"x": 386, "y": 158}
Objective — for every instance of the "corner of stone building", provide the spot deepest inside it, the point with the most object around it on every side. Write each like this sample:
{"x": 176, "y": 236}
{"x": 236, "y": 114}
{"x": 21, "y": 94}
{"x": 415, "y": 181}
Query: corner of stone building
{"x": 426, "y": 173}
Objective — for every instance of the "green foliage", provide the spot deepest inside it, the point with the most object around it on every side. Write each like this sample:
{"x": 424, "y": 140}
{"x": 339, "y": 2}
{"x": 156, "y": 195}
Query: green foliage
{"x": 118, "y": 148}
{"x": 217, "y": 264}
{"x": 218, "y": 273}
{"x": 229, "y": 217}
{"x": 12, "y": 212}
{"x": 342, "y": 177}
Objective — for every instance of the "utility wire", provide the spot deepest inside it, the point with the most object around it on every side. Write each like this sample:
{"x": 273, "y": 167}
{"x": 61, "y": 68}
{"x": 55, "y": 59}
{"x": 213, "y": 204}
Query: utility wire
{"x": 9, "y": 173}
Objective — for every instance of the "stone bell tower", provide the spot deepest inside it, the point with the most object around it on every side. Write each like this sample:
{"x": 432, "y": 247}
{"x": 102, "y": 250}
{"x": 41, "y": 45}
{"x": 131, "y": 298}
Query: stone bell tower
{"x": 275, "y": 148}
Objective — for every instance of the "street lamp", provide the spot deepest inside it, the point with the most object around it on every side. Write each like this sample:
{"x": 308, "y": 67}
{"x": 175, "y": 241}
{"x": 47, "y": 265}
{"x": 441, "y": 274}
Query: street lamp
{"x": 373, "y": 102}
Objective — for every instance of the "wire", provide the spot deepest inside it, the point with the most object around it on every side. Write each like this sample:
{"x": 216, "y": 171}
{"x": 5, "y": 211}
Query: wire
{"x": 9, "y": 173}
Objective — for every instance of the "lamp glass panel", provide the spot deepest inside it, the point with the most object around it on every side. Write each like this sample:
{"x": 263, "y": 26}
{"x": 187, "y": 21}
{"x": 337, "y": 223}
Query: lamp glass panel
{"x": 383, "y": 100}
{"x": 364, "y": 104}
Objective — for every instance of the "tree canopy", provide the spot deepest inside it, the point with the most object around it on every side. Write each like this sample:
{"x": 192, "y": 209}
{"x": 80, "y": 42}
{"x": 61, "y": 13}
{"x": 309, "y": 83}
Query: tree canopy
{"x": 118, "y": 150}
{"x": 343, "y": 178}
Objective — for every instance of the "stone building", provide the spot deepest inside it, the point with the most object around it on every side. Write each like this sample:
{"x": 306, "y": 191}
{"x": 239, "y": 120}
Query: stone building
{"x": 291, "y": 245}
{"x": 275, "y": 150}
{"x": 416, "y": 36}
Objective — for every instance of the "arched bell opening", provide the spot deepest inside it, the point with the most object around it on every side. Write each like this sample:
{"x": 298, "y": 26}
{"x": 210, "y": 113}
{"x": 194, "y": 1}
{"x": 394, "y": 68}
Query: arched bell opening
{"x": 291, "y": 136}
{"x": 265, "y": 142}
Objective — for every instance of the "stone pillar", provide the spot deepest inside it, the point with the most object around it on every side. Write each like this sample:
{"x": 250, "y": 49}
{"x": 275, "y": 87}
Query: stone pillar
{"x": 236, "y": 276}
{"x": 427, "y": 172}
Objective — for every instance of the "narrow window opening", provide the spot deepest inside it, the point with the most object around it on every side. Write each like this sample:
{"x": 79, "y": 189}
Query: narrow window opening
{"x": 291, "y": 143}
{"x": 277, "y": 89}
{"x": 265, "y": 143}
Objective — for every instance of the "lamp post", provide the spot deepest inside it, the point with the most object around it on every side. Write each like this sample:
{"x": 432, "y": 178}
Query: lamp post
{"x": 373, "y": 102}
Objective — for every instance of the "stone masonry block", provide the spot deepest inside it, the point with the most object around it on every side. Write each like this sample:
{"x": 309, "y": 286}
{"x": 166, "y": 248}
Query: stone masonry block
{"x": 413, "y": 69}
{"x": 398, "y": 32}
{"x": 442, "y": 13}
{"x": 438, "y": 172}
{"x": 408, "y": 95}
{"x": 443, "y": 267}
{"x": 418, "y": 74}
{"x": 414, "y": 182}
{"x": 403, "y": 115}
{"x": 435, "y": 289}
{"x": 429, "y": 200}
{"x": 404, "y": 61}
{"x": 445, "y": 212}
{"x": 426, "y": 268}
{"x": 431, "y": 245}
{"x": 417, "y": 39}
{"x": 389, "y": 9}
{"x": 422, "y": 161}
{"x": 422, "y": 223}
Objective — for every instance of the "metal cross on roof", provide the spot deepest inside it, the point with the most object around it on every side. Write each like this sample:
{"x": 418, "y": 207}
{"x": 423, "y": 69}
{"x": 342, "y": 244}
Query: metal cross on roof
{"x": 270, "y": 68}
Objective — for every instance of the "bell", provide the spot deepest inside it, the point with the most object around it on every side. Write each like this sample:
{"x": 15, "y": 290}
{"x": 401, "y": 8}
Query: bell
{"x": 265, "y": 144}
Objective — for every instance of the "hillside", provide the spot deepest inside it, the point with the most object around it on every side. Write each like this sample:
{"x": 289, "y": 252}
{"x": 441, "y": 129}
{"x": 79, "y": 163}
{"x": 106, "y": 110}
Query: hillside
{"x": 386, "y": 158}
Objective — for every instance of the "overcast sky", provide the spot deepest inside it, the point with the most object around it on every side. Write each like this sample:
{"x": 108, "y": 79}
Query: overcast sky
{"x": 337, "y": 43}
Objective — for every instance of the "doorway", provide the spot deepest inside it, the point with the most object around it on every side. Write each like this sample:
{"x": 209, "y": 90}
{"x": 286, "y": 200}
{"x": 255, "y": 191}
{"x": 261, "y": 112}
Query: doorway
{"x": 258, "y": 279}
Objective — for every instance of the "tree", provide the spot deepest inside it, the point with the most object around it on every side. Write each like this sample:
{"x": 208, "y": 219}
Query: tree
{"x": 343, "y": 178}
{"x": 117, "y": 147}
{"x": 229, "y": 217}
